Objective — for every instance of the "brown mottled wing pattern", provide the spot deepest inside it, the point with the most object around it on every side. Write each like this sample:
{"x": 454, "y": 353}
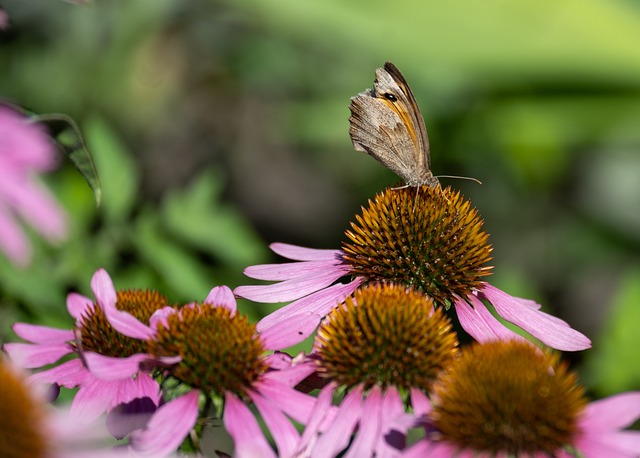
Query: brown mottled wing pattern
{"x": 386, "y": 123}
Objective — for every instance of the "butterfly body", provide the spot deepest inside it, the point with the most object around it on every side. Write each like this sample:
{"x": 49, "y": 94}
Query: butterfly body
{"x": 386, "y": 123}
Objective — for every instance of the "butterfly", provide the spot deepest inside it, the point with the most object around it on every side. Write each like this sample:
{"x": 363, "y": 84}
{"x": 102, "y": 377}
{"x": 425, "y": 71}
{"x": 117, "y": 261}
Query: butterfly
{"x": 386, "y": 123}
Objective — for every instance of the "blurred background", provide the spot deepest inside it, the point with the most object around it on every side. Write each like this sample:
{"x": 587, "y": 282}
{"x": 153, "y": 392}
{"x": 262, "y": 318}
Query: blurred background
{"x": 218, "y": 127}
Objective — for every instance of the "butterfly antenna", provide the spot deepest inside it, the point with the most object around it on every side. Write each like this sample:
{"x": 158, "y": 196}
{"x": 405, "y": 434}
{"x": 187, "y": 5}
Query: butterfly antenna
{"x": 461, "y": 178}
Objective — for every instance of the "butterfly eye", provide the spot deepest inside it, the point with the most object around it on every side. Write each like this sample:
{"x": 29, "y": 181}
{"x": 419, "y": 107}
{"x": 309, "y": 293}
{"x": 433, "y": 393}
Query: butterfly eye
{"x": 390, "y": 97}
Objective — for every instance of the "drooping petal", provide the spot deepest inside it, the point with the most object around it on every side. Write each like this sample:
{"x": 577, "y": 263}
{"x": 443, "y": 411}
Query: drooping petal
{"x": 292, "y": 402}
{"x": 548, "y": 329}
{"x": 69, "y": 374}
{"x": 292, "y": 331}
{"x": 282, "y": 430}
{"x": 390, "y": 440}
{"x": 614, "y": 412}
{"x": 222, "y": 296}
{"x": 337, "y": 436}
{"x": 111, "y": 368}
{"x": 298, "y": 253}
{"x": 291, "y": 375}
{"x": 244, "y": 429}
{"x": 316, "y": 420}
{"x": 479, "y": 323}
{"x": 319, "y": 303}
{"x": 291, "y": 270}
{"x": 93, "y": 398}
{"x": 289, "y": 290}
{"x": 168, "y": 427}
{"x": 420, "y": 402}
{"x": 42, "y": 334}
{"x": 13, "y": 242}
{"x": 369, "y": 426}
{"x": 30, "y": 356}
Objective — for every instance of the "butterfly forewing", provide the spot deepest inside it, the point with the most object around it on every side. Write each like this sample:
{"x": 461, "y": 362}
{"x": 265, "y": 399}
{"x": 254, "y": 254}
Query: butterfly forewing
{"x": 386, "y": 123}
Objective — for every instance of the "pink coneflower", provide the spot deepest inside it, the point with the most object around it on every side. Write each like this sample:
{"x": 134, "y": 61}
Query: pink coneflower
{"x": 106, "y": 366}
{"x": 25, "y": 152}
{"x": 30, "y": 427}
{"x": 508, "y": 398}
{"x": 427, "y": 238}
{"x": 382, "y": 350}
{"x": 213, "y": 355}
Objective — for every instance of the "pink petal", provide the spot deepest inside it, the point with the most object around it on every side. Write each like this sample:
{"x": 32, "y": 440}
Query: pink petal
{"x": 93, "y": 398}
{"x": 69, "y": 374}
{"x": 390, "y": 438}
{"x": 43, "y": 334}
{"x": 25, "y": 142}
{"x": 319, "y": 303}
{"x": 479, "y": 323}
{"x": 607, "y": 445}
{"x": 222, "y": 296}
{"x": 289, "y": 290}
{"x": 13, "y": 241}
{"x": 290, "y": 332}
{"x": 317, "y": 419}
{"x": 77, "y": 305}
{"x": 160, "y": 317}
{"x": 244, "y": 429}
{"x": 30, "y": 356}
{"x": 292, "y": 375}
{"x": 369, "y": 426}
{"x": 291, "y": 270}
{"x": 283, "y": 432}
{"x": 549, "y": 330}
{"x": 103, "y": 289}
{"x": 614, "y": 412}
{"x": 337, "y": 436}
{"x": 168, "y": 426}
{"x": 420, "y": 402}
{"x": 143, "y": 386}
{"x": 292, "y": 402}
{"x": 299, "y": 253}
{"x": 110, "y": 368}
{"x": 36, "y": 206}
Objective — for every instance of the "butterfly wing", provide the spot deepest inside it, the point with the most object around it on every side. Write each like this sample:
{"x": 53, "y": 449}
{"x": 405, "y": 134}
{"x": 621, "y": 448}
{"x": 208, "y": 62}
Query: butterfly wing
{"x": 386, "y": 123}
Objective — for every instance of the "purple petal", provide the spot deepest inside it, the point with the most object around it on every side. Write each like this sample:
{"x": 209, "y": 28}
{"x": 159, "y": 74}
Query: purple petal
{"x": 291, "y": 270}
{"x": 337, "y": 436}
{"x": 168, "y": 426}
{"x": 69, "y": 374}
{"x": 283, "y": 432}
{"x": 244, "y": 429}
{"x": 13, "y": 241}
{"x": 110, "y": 368}
{"x": 93, "y": 398}
{"x": 222, "y": 296}
{"x": 129, "y": 416}
{"x": 290, "y": 332}
{"x": 614, "y": 412}
{"x": 160, "y": 317}
{"x": 77, "y": 304}
{"x": 103, "y": 289}
{"x": 420, "y": 402}
{"x": 319, "y": 303}
{"x": 289, "y": 290}
{"x": 479, "y": 323}
{"x": 299, "y": 253}
{"x": 292, "y": 402}
{"x": 30, "y": 356}
{"x": 317, "y": 419}
{"x": 548, "y": 329}
{"x": 291, "y": 375}
{"x": 390, "y": 438}
{"x": 42, "y": 334}
{"x": 369, "y": 426}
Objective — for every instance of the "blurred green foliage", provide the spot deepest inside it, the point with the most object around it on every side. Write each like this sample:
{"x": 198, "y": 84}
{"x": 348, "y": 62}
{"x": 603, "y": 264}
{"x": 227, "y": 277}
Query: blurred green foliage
{"x": 218, "y": 124}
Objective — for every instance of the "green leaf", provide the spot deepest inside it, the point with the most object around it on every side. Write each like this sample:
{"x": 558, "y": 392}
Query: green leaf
{"x": 67, "y": 134}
